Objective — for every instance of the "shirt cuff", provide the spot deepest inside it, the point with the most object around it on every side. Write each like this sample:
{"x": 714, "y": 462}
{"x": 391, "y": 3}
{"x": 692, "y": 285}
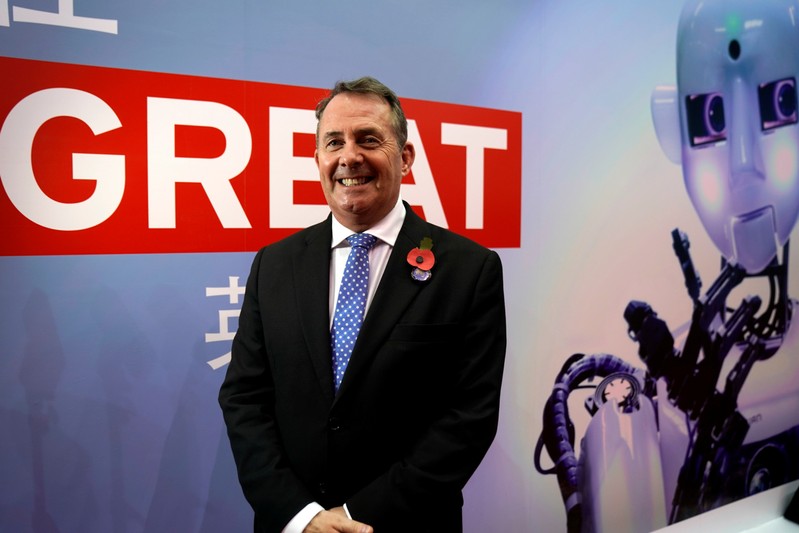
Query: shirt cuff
{"x": 347, "y": 511}
{"x": 303, "y": 518}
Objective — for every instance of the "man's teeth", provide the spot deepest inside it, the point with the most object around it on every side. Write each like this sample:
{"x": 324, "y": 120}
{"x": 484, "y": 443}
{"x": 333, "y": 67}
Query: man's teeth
{"x": 349, "y": 182}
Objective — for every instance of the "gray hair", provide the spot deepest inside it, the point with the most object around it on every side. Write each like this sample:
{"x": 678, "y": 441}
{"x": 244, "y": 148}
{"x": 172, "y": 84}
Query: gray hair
{"x": 369, "y": 85}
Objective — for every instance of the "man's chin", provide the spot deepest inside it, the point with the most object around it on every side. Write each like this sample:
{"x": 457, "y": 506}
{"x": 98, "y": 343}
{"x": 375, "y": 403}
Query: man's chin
{"x": 357, "y": 216}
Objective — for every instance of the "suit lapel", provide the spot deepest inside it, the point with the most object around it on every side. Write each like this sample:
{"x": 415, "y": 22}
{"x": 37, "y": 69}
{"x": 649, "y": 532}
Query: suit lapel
{"x": 394, "y": 293}
{"x": 312, "y": 268}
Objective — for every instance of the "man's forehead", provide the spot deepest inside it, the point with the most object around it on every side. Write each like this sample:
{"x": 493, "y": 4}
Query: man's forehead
{"x": 359, "y": 113}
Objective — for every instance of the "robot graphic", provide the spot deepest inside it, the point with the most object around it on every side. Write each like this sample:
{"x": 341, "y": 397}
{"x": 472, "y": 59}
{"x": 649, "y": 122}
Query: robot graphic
{"x": 714, "y": 415}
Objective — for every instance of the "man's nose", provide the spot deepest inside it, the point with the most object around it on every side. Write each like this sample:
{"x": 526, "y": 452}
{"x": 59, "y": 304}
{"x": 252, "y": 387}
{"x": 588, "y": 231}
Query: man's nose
{"x": 350, "y": 155}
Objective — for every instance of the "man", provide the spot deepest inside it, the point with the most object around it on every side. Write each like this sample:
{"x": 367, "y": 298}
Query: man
{"x": 390, "y": 447}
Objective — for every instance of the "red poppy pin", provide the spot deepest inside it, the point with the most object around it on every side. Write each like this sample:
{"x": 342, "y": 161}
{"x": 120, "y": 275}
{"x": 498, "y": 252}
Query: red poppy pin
{"x": 422, "y": 259}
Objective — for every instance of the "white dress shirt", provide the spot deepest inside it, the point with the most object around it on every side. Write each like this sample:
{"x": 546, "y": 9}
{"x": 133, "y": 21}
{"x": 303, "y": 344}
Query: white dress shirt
{"x": 386, "y": 231}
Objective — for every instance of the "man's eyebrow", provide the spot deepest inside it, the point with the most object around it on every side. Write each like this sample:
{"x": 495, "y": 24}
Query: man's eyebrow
{"x": 366, "y": 130}
{"x": 329, "y": 134}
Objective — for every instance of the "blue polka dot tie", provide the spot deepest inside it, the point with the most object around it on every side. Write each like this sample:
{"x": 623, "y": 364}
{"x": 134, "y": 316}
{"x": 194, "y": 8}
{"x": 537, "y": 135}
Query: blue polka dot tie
{"x": 351, "y": 303}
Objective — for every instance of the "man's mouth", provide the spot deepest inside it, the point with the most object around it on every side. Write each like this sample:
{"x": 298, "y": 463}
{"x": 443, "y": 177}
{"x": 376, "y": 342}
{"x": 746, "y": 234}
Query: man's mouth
{"x": 352, "y": 182}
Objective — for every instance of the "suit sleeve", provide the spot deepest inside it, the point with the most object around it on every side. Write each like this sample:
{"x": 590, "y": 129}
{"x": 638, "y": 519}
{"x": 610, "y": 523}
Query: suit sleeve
{"x": 247, "y": 400}
{"x": 434, "y": 472}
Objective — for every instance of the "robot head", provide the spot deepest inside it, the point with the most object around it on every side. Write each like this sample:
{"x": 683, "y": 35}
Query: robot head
{"x": 732, "y": 122}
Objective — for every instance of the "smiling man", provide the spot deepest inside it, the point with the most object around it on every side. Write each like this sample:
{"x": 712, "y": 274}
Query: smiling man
{"x": 363, "y": 389}
{"x": 362, "y": 154}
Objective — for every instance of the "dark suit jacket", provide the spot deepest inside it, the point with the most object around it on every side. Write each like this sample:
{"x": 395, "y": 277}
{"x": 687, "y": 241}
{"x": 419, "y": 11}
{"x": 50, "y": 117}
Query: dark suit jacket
{"x": 418, "y": 405}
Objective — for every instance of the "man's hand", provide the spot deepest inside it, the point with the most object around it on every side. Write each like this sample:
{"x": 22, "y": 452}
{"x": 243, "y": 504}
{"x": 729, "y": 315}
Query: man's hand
{"x": 335, "y": 521}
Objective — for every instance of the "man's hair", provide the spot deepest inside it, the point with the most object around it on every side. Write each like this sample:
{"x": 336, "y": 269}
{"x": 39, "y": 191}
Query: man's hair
{"x": 369, "y": 85}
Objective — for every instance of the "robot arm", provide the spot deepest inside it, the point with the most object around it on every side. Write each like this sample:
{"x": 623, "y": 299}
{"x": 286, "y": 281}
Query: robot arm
{"x": 691, "y": 381}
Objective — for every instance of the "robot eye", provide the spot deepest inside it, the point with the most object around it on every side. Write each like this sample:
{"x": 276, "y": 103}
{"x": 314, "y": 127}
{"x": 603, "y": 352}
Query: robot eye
{"x": 705, "y": 114}
{"x": 777, "y": 103}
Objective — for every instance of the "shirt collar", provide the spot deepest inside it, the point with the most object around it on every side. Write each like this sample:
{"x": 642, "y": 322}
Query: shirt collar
{"x": 386, "y": 230}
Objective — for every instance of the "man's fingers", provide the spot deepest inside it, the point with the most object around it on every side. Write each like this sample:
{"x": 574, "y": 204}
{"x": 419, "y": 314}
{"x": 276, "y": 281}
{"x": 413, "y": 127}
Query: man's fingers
{"x": 334, "y": 521}
{"x": 361, "y": 528}
{"x": 353, "y": 526}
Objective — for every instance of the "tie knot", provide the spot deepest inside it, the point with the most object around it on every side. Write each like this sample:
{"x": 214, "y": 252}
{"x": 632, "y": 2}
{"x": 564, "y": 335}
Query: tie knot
{"x": 362, "y": 240}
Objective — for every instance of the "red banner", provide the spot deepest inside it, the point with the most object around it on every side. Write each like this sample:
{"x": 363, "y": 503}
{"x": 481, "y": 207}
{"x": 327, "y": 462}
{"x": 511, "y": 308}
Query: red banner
{"x": 99, "y": 160}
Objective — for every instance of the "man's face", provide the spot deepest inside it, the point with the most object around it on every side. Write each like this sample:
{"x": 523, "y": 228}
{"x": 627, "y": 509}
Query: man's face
{"x": 360, "y": 163}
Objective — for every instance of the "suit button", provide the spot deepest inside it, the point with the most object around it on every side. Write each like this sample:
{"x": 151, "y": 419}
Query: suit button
{"x": 322, "y": 488}
{"x": 334, "y": 424}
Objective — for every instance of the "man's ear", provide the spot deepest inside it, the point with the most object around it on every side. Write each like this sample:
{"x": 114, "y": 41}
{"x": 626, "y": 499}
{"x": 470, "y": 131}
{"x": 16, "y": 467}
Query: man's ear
{"x": 408, "y": 157}
{"x": 665, "y": 108}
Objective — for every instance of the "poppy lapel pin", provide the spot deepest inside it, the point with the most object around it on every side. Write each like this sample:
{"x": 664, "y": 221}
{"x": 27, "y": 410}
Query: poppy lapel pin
{"x": 422, "y": 260}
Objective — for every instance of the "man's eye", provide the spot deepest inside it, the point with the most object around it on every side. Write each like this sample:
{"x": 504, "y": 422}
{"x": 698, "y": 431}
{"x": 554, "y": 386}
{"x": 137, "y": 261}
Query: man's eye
{"x": 777, "y": 103}
{"x": 706, "y": 122}
{"x": 333, "y": 143}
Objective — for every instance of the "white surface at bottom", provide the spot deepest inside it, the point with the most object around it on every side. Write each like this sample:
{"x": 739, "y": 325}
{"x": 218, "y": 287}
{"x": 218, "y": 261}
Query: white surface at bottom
{"x": 780, "y": 525}
{"x": 761, "y": 513}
